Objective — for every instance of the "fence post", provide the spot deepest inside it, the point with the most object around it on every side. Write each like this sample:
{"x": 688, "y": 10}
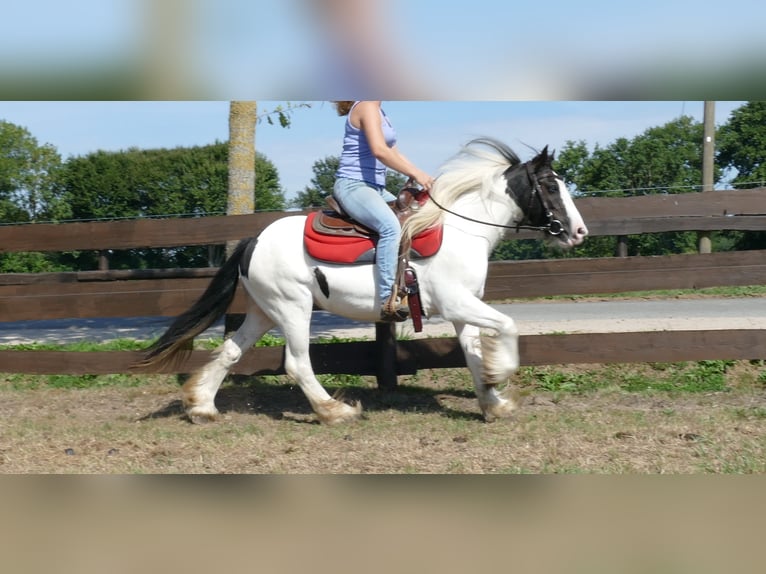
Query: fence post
{"x": 708, "y": 166}
{"x": 385, "y": 343}
{"x": 103, "y": 260}
{"x": 622, "y": 246}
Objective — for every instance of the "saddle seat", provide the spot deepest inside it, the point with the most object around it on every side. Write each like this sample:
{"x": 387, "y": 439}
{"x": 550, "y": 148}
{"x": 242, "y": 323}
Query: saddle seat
{"x": 333, "y": 237}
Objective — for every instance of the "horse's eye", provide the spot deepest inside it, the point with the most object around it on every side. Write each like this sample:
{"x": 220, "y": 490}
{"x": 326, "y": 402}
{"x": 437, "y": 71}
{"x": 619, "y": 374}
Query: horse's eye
{"x": 552, "y": 186}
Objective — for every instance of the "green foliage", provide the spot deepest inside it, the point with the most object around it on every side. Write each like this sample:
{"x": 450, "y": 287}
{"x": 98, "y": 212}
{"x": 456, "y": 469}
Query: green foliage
{"x": 269, "y": 340}
{"x": 28, "y": 172}
{"x": 92, "y": 381}
{"x": 323, "y": 181}
{"x": 341, "y": 381}
{"x": 81, "y": 346}
{"x": 321, "y": 185}
{"x": 663, "y": 159}
{"x": 558, "y": 381}
{"x": 672, "y": 378}
{"x": 31, "y": 262}
{"x": 741, "y": 144}
{"x": 283, "y": 114}
{"x": 189, "y": 182}
{"x": 699, "y": 377}
{"x": 28, "y": 193}
{"x": 36, "y": 186}
{"x": 21, "y": 382}
{"x": 395, "y": 181}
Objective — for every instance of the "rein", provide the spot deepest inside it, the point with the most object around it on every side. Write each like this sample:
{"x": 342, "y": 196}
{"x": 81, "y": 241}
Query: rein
{"x": 553, "y": 227}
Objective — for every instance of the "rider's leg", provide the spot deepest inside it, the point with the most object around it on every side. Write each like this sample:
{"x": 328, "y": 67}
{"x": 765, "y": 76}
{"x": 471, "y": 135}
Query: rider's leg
{"x": 369, "y": 206}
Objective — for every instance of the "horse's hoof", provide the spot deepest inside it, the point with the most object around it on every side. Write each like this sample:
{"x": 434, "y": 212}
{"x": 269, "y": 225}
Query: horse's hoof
{"x": 337, "y": 412}
{"x": 504, "y": 408}
{"x": 497, "y": 412}
{"x": 201, "y": 418}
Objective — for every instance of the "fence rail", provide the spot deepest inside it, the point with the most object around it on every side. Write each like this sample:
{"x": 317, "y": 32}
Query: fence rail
{"x": 707, "y": 211}
{"x": 362, "y": 357}
{"x": 169, "y": 292}
{"x": 92, "y": 294}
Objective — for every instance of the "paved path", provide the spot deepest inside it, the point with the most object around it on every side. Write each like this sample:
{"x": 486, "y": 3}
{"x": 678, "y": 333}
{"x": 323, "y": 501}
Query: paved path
{"x": 531, "y": 318}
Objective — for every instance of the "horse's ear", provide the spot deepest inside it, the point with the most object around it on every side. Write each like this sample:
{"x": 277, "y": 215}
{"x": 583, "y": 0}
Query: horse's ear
{"x": 542, "y": 157}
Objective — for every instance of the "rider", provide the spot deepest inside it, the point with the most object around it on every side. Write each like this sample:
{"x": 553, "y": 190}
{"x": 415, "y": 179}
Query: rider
{"x": 369, "y": 147}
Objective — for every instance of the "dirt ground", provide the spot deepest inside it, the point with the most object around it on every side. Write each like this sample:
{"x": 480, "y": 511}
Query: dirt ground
{"x": 430, "y": 424}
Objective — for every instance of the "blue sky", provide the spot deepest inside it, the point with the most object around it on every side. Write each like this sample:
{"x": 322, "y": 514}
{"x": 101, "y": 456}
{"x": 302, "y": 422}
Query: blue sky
{"x": 429, "y": 131}
{"x": 478, "y": 50}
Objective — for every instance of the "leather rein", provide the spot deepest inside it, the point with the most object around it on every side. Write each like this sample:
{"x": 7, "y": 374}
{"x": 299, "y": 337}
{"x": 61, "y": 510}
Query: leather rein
{"x": 553, "y": 227}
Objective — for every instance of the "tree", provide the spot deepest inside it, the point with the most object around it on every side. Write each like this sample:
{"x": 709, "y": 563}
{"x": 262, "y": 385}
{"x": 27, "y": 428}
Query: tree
{"x": 321, "y": 185}
{"x": 741, "y": 144}
{"x": 180, "y": 182}
{"x": 28, "y": 172}
{"x": 28, "y": 193}
{"x": 324, "y": 179}
{"x": 663, "y": 159}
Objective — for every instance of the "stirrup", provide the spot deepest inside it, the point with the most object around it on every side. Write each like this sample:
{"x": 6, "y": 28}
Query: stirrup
{"x": 394, "y": 310}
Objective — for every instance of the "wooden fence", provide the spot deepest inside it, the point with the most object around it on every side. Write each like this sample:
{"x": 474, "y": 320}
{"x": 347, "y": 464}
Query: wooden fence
{"x": 169, "y": 292}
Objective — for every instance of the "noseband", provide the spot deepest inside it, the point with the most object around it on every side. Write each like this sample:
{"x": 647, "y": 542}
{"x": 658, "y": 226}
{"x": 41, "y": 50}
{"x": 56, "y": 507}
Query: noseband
{"x": 552, "y": 227}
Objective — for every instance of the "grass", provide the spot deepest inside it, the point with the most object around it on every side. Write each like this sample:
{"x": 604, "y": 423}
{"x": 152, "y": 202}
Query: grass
{"x": 80, "y": 346}
{"x": 691, "y": 417}
{"x": 24, "y": 382}
{"x": 601, "y": 421}
{"x": 670, "y": 378}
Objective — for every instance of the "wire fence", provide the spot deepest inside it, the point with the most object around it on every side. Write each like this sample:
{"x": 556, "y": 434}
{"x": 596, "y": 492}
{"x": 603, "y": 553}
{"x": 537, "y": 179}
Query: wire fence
{"x": 617, "y": 192}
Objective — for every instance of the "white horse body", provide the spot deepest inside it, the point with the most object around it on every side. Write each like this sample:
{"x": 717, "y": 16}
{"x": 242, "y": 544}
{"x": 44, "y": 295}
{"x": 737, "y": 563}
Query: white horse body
{"x": 284, "y": 283}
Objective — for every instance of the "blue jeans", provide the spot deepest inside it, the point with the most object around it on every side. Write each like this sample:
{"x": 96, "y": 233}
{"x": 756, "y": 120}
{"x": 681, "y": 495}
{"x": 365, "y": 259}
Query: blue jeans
{"x": 368, "y": 204}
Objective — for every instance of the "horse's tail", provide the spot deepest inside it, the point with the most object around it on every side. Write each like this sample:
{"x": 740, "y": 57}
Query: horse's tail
{"x": 171, "y": 347}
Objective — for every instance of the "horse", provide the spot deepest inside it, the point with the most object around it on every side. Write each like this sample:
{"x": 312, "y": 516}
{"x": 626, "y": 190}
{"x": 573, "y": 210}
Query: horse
{"x": 480, "y": 193}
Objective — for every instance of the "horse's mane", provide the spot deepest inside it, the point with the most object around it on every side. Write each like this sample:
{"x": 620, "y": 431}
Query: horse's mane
{"x": 472, "y": 170}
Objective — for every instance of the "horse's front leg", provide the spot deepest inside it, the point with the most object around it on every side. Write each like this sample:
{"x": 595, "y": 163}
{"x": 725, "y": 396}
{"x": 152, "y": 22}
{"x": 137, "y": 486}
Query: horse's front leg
{"x": 491, "y": 358}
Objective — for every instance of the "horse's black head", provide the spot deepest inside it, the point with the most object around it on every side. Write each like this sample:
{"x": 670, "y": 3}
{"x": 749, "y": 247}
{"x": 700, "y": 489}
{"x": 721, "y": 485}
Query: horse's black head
{"x": 544, "y": 199}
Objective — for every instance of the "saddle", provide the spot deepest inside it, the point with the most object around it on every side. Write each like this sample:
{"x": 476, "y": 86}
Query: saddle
{"x": 331, "y": 235}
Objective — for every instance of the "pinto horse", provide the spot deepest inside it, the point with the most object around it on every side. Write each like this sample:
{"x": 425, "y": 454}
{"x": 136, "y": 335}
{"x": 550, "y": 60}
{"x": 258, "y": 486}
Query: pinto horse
{"x": 483, "y": 191}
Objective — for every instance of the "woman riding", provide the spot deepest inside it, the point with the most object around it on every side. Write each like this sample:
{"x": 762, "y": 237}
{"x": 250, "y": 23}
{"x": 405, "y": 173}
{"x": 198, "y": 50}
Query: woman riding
{"x": 369, "y": 147}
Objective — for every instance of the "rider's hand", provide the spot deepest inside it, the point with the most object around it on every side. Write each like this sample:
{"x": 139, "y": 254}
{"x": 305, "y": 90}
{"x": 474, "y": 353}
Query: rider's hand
{"x": 424, "y": 180}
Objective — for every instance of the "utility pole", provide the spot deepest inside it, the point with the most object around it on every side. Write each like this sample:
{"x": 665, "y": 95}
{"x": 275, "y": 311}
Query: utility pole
{"x": 708, "y": 158}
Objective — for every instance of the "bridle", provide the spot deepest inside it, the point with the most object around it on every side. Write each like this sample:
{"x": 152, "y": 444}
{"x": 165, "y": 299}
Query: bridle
{"x": 553, "y": 226}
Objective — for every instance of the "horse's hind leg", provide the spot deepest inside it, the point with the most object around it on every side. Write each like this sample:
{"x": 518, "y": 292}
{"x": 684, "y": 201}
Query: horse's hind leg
{"x": 295, "y": 322}
{"x": 199, "y": 391}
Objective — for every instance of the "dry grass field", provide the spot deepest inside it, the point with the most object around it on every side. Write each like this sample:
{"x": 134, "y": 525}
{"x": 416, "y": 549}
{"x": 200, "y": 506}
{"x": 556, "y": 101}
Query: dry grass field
{"x": 695, "y": 418}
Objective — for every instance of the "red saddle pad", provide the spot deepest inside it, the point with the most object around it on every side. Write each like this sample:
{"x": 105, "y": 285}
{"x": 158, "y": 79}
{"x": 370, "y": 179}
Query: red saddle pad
{"x": 358, "y": 249}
